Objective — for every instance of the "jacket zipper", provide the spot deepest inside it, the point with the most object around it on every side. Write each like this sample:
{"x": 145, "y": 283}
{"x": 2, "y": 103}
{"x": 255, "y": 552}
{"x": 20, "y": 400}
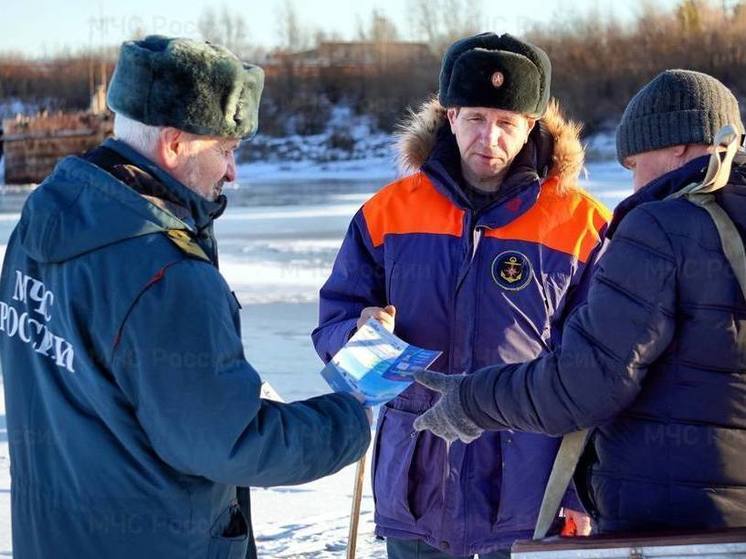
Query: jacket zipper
{"x": 476, "y": 237}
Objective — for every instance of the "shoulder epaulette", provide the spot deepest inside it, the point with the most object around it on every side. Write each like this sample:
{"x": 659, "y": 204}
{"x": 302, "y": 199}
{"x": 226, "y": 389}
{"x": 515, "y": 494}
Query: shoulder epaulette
{"x": 187, "y": 244}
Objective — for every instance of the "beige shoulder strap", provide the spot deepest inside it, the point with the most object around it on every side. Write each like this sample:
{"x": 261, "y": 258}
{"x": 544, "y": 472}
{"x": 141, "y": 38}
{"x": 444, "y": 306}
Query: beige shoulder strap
{"x": 568, "y": 456}
{"x": 730, "y": 238}
{"x": 727, "y": 151}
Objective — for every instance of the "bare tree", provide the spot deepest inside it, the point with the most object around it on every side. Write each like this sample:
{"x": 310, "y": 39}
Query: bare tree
{"x": 293, "y": 36}
{"x": 208, "y": 25}
{"x": 227, "y": 28}
{"x": 461, "y": 18}
{"x": 323, "y": 36}
{"x": 424, "y": 20}
{"x": 382, "y": 29}
{"x": 697, "y": 15}
{"x": 441, "y": 22}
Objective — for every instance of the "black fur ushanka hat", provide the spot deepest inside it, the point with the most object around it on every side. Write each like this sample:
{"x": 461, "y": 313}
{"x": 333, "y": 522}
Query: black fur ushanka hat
{"x": 496, "y": 71}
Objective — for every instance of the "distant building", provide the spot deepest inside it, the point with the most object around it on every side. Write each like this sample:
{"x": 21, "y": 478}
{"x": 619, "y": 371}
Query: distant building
{"x": 348, "y": 58}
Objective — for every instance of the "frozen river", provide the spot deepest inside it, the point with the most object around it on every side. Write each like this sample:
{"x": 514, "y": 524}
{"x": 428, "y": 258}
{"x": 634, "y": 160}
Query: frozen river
{"x": 277, "y": 244}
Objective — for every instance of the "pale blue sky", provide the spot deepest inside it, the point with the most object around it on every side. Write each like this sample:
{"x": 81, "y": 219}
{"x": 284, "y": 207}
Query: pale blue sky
{"x": 39, "y": 27}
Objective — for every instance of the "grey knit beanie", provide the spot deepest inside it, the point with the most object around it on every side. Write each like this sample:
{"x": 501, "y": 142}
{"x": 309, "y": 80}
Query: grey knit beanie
{"x": 677, "y": 107}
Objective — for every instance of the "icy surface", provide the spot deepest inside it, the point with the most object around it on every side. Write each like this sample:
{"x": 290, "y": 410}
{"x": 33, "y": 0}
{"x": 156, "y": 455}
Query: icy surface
{"x": 278, "y": 240}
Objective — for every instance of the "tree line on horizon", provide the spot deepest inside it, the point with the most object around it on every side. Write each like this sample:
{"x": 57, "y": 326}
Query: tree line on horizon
{"x": 598, "y": 62}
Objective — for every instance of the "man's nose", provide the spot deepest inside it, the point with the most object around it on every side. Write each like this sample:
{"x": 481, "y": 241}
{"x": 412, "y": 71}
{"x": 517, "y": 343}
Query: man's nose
{"x": 491, "y": 134}
{"x": 230, "y": 171}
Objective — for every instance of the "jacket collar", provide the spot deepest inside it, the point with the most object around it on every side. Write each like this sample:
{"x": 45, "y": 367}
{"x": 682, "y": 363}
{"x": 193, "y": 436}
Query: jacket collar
{"x": 520, "y": 187}
{"x": 556, "y": 139}
{"x": 202, "y": 210}
{"x": 659, "y": 189}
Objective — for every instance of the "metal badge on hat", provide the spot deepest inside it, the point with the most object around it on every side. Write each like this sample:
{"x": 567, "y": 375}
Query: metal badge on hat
{"x": 497, "y": 79}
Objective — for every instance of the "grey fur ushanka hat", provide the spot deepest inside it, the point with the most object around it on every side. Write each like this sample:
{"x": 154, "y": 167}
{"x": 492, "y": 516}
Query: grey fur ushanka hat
{"x": 496, "y": 71}
{"x": 195, "y": 86}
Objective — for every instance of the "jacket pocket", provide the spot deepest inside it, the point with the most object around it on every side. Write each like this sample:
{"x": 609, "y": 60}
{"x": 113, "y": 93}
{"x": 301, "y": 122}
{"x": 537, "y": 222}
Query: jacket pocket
{"x": 527, "y": 460}
{"x": 229, "y": 535}
{"x": 395, "y": 445}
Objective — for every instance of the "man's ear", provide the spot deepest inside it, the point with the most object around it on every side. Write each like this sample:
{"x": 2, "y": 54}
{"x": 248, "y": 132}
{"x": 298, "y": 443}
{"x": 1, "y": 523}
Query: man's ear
{"x": 452, "y": 114}
{"x": 531, "y": 123}
{"x": 170, "y": 147}
{"x": 679, "y": 151}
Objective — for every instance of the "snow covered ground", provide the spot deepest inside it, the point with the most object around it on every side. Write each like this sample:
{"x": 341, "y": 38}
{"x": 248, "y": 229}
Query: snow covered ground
{"x": 5, "y": 540}
{"x": 278, "y": 240}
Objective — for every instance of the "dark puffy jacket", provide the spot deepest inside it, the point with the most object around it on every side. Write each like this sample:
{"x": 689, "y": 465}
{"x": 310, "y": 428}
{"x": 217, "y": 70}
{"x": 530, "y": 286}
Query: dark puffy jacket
{"x": 655, "y": 360}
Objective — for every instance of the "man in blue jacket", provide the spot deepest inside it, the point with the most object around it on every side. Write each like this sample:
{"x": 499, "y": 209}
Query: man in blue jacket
{"x": 132, "y": 413}
{"x": 478, "y": 252}
{"x": 655, "y": 360}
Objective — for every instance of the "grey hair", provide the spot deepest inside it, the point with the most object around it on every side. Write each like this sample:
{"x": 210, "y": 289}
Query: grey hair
{"x": 142, "y": 137}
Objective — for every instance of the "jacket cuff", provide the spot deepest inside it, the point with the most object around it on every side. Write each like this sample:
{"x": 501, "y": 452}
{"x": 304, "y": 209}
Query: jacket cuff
{"x": 333, "y": 338}
{"x": 345, "y": 330}
{"x": 360, "y": 414}
{"x": 470, "y": 405}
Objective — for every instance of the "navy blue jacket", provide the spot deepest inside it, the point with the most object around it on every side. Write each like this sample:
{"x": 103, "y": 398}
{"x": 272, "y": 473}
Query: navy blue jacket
{"x": 655, "y": 361}
{"x": 132, "y": 412}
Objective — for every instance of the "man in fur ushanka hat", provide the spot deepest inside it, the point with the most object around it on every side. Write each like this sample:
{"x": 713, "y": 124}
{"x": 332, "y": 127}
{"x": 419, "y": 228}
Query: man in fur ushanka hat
{"x": 135, "y": 423}
{"x": 480, "y": 251}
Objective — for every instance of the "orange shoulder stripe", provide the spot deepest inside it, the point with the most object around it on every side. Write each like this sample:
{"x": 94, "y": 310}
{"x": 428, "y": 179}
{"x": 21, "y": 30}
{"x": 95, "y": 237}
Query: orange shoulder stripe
{"x": 411, "y": 205}
{"x": 568, "y": 222}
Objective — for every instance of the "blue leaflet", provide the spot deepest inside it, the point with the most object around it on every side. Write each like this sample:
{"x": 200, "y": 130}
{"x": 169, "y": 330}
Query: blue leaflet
{"x": 376, "y": 366}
